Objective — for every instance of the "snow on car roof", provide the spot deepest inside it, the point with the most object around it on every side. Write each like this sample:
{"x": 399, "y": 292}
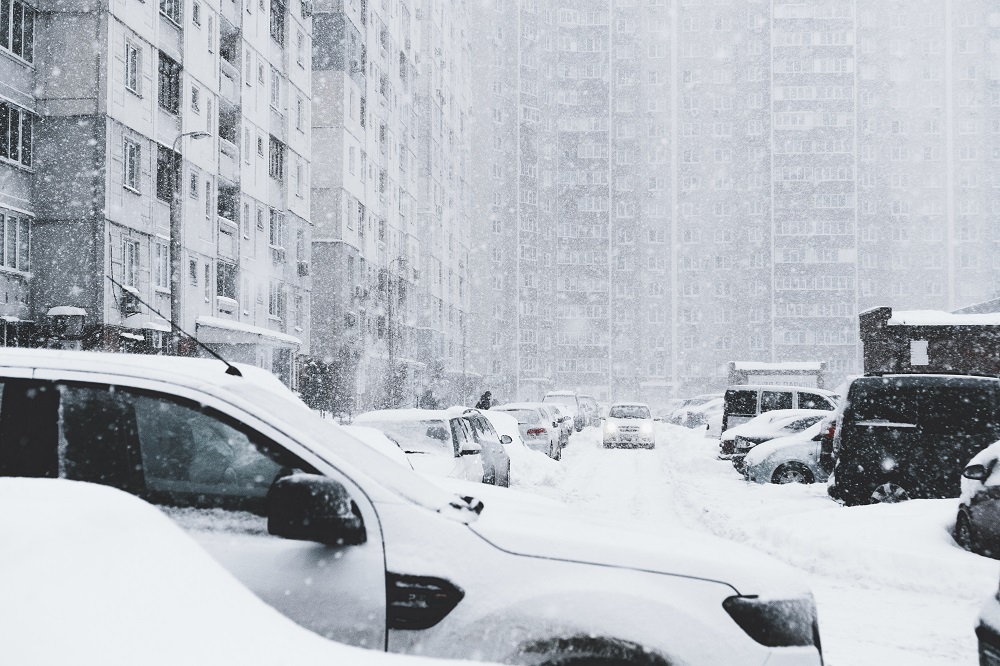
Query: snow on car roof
{"x": 786, "y": 365}
{"x": 630, "y": 404}
{"x": 103, "y": 577}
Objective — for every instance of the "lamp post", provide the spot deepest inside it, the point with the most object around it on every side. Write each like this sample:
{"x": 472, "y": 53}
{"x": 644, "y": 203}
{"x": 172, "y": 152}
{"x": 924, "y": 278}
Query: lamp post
{"x": 390, "y": 279}
{"x": 176, "y": 241}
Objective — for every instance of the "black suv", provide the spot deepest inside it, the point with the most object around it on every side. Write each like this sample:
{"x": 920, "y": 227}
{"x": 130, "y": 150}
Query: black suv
{"x": 910, "y": 436}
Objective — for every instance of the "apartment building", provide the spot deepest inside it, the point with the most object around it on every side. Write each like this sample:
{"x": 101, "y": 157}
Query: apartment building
{"x": 209, "y": 96}
{"x": 391, "y": 204}
{"x": 818, "y": 157}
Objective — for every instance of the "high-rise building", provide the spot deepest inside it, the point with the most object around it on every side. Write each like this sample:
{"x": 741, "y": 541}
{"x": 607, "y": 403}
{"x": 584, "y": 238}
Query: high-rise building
{"x": 208, "y": 95}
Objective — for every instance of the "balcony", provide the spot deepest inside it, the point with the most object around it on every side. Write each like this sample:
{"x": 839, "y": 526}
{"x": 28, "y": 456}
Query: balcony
{"x": 229, "y": 162}
{"x": 232, "y": 13}
{"x": 229, "y": 85}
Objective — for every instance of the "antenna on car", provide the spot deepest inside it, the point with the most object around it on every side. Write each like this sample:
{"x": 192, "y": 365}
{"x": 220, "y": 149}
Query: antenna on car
{"x": 230, "y": 368}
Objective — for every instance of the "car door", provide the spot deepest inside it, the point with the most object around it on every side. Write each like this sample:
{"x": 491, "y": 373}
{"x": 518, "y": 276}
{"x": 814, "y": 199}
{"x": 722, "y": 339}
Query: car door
{"x": 470, "y": 465}
{"x": 211, "y": 472}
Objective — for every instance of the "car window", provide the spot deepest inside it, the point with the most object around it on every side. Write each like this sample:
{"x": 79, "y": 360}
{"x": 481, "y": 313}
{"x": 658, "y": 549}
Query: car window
{"x": 813, "y": 401}
{"x": 459, "y": 434}
{"x": 418, "y": 436}
{"x": 882, "y": 401}
{"x": 800, "y": 424}
{"x": 741, "y": 402}
{"x": 957, "y": 409}
{"x": 524, "y": 416}
{"x": 770, "y": 400}
{"x": 29, "y": 430}
{"x": 186, "y": 455}
{"x": 629, "y": 412}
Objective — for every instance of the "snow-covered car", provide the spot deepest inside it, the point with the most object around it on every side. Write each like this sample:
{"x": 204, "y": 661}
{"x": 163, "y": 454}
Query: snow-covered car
{"x": 539, "y": 430}
{"x": 565, "y": 421}
{"x": 571, "y": 402}
{"x": 372, "y": 554}
{"x": 629, "y": 424}
{"x": 796, "y": 420}
{"x": 727, "y": 442}
{"x": 691, "y": 414}
{"x": 589, "y": 402}
{"x": 496, "y": 462}
{"x": 712, "y": 412}
{"x": 745, "y": 401}
{"x": 381, "y": 442}
{"x": 436, "y": 441}
{"x": 746, "y": 442}
{"x": 977, "y": 525}
{"x": 794, "y": 458}
{"x": 105, "y": 578}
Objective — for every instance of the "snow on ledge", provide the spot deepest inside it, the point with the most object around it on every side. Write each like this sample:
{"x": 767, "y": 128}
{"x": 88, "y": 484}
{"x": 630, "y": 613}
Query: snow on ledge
{"x": 940, "y": 318}
{"x": 240, "y": 327}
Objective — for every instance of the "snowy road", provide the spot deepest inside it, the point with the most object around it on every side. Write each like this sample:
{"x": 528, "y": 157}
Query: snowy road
{"x": 890, "y": 585}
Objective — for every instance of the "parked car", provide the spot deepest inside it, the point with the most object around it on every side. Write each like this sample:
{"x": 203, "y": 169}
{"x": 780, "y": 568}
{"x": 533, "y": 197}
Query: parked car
{"x": 629, "y": 424}
{"x": 539, "y": 430}
{"x": 910, "y": 436}
{"x": 791, "y": 459}
{"x": 569, "y": 400}
{"x": 782, "y": 427}
{"x": 371, "y": 554}
{"x": 713, "y": 411}
{"x": 743, "y": 402}
{"x": 106, "y": 578}
{"x": 692, "y": 413}
{"x": 435, "y": 441}
{"x": 565, "y": 421}
{"x": 727, "y": 441}
{"x": 977, "y": 525}
{"x": 496, "y": 461}
{"x": 592, "y": 408}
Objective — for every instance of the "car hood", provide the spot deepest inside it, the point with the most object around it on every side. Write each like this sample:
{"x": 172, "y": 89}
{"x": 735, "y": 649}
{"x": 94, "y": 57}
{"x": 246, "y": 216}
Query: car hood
{"x": 760, "y": 453}
{"x": 564, "y": 534}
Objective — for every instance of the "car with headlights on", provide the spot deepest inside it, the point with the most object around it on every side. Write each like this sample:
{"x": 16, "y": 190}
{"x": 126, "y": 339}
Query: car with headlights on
{"x": 794, "y": 458}
{"x": 629, "y": 424}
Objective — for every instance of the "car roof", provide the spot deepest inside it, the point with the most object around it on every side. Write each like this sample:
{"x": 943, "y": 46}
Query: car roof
{"x": 925, "y": 379}
{"x": 522, "y": 405}
{"x": 630, "y": 404}
{"x": 781, "y": 387}
{"x": 573, "y": 393}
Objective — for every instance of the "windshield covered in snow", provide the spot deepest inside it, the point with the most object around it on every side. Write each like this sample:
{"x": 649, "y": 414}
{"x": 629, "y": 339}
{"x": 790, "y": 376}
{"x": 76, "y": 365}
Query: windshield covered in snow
{"x": 524, "y": 416}
{"x": 425, "y": 436}
{"x": 630, "y": 412}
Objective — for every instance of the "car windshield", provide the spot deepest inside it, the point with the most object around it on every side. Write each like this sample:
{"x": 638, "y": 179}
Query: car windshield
{"x": 567, "y": 400}
{"x": 423, "y": 436}
{"x": 629, "y": 412}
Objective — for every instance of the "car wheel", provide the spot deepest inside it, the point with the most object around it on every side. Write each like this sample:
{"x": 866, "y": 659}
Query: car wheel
{"x": 505, "y": 479}
{"x": 558, "y": 452}
{"x": 792, "y": 472}
{"x": 888, "y": 493}
{"x": 963, "y": 533}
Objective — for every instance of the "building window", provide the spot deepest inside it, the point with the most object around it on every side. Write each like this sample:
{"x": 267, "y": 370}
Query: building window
{"x": 165, "y": 180}
{"x": 15, "y": 133}
{"x": 300, "y": 113}
{"x": 276, "y": 301}
{"x": 169, "y": 84}
{"x": 211, "y": 35}
{"x": 161, "y": 266}
{"x": 195, "y": 99}
{"x": 133, "y": 68}
{"x": 276, "y": 232}
{"x": 208, "y": 281}
{"x": 300, "y": 49}
{"x": 275, "y": 88}
{"x": 225, "y": 280}
{"x": 196, "y": 13}
{"x": 171, "y": 9}
{"x": 278, "y": 21}
{"x": 260, "y": 146}
{"x": 276, "y": 168}
{"x": 208, "y": 198}
{"x": 130, "y": 263}
{"x": 17, "y": 28}
{"x": 130, "y": 164}
{"x": 15, "y": 241}
{"x": 193, "y": 186}
{"x": 193, "y": 272}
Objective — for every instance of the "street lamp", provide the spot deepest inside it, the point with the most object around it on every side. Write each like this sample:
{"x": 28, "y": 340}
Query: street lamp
{"x": 176, "y": 241}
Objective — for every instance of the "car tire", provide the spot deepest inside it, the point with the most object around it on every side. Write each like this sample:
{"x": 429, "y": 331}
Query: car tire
{"x": 505, "y": 479}
{"x": 888, "y": 493}
{"x": 792, "y": 472}
{"x": 964, "y": 536}
{"x": 558, "y": 452}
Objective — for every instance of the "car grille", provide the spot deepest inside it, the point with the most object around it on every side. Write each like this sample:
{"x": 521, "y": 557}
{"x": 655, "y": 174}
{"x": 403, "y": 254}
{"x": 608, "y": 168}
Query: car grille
{"x": 628, "y": 429}
{"x": 728, "y": 447}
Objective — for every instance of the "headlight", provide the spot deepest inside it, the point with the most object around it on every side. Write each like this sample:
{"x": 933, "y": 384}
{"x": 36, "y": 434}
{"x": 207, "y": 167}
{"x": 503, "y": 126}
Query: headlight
{"x": 776, "y": 623}
{"x": 610, "y": 428}
{"x": 646, "y": 428}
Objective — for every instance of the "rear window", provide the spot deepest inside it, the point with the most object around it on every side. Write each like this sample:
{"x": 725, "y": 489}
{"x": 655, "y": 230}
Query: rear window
{"x": 770, "y": 400}
{"x": 424, "y": 436}
{"x": 524, "y": 415}
{"x": 629, "y": 412}
{"x": 813, "y": 401}
{"x": 883, "y": 401}
{"x": 741, "y": 402}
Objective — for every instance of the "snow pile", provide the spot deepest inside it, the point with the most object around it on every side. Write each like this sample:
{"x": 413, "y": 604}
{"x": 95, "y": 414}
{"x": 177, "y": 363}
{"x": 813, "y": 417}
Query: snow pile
{"x": 906, "y": 546}
{"x": 96, "y": 576}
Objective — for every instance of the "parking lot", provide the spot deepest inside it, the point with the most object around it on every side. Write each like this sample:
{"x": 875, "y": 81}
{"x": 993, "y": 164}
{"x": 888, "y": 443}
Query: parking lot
{"x": 890, "y": 583}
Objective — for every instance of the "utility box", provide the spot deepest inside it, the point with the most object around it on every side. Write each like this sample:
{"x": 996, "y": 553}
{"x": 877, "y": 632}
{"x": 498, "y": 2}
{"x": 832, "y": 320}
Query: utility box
{"x": 929, "y": 341}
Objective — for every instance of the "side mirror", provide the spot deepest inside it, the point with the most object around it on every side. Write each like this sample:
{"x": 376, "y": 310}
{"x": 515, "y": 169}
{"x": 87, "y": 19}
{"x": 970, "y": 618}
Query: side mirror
{"x": 308, "y": 507}
{"x": 470, "y": 448}
{"x": 505, "y": 439}
{"x": 976, "y": 472}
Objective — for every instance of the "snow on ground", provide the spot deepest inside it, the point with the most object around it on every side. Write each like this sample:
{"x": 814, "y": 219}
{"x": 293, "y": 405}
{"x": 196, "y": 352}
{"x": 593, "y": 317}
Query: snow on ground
{"x": 891, "y": 586}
